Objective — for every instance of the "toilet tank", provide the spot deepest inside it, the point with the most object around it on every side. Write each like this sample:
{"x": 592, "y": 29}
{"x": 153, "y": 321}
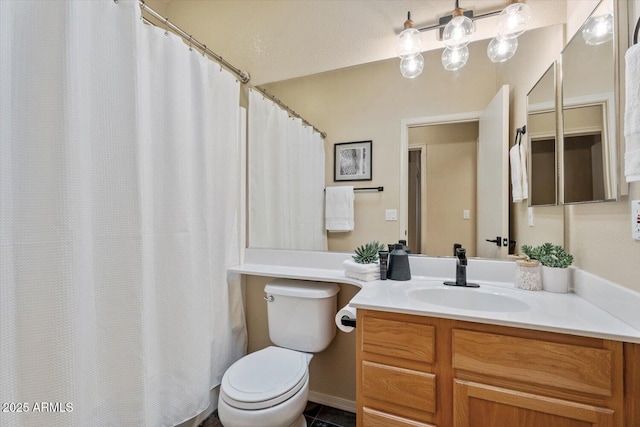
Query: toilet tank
{"x": 301, "y": 313}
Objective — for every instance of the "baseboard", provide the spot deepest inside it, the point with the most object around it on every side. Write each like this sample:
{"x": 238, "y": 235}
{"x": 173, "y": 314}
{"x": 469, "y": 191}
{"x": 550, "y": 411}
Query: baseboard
{"x": 334, "y": 402}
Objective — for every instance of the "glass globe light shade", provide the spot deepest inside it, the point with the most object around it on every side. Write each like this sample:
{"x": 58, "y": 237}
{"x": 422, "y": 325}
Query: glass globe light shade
{"x": 409, "y": 43}
{"x": 454, "y": 59}
{"x": 513, "y": 20}
{"x": 501, "y": 50}
{"x": 457, "y": 33}
{"x": 598, "y": 29}
{"x": 411, "y": 66}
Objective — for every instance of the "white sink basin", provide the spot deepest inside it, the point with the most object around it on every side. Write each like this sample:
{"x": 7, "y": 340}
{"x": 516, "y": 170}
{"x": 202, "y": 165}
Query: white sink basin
{"x": 468, "y": 299}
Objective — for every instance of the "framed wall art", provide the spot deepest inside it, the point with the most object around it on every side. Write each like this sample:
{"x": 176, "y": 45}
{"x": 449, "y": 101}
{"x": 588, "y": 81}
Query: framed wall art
{"x": 352, "y": 161}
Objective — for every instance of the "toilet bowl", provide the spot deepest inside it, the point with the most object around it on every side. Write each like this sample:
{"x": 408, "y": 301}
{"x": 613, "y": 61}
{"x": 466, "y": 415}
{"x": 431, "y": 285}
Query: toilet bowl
{"x": 270, "y": 387}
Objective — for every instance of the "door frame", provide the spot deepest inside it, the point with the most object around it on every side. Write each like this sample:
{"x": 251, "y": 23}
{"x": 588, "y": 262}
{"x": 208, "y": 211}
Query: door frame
{"x": 422, "y": 149}
{"x": 405, "y": 124}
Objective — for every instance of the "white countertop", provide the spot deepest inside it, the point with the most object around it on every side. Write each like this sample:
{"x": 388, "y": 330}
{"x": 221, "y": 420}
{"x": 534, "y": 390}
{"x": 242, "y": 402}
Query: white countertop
{"x": 546, "y": 311}
{"x": 564, "y": 313}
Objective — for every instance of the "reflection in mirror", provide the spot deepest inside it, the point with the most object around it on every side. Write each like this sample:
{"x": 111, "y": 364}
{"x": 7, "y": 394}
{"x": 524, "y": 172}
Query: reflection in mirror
{"x": 541, "y": 128}
{"x": 442, "y": 184}
{"x": 584, "y": 142}
{"x": 588, "y": 109}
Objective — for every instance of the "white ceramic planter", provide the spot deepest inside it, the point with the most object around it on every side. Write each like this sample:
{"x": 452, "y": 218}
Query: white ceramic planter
{"x": 556, "y": 280}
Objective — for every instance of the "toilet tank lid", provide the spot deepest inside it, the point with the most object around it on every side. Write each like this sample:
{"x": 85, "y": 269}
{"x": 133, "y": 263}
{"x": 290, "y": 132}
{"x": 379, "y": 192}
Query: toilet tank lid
{"x": 301, "y": 288}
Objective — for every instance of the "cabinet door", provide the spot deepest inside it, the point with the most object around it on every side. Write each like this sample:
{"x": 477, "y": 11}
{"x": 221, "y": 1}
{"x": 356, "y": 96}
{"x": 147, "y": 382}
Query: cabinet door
{"x": 479, "y": 405}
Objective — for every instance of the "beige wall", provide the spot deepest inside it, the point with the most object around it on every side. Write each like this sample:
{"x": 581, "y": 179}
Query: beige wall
{"x": 332, "y": 372}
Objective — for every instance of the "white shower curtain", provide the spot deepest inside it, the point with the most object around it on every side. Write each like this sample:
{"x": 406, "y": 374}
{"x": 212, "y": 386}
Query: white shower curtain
{"x": 119, "y": 208}
{"x": 286, "y": 179}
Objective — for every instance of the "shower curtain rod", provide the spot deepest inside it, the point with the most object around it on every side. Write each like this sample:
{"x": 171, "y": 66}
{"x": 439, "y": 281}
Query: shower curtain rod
{"x": 285, "y": 107}
{"x": 242, "y": 75}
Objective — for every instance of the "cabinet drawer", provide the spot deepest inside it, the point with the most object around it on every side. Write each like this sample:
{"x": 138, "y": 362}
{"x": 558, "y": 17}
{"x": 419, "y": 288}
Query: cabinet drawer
{"x": 399, "y": 391}
{"x": 398, "y": 336}
{"x": 570, "y": 367}
{"x": 373, "y": 418}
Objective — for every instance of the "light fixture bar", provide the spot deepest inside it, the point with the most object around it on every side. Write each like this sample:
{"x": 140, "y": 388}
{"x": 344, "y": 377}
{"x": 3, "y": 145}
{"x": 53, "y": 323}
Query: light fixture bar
{"x": 473, "y": 18}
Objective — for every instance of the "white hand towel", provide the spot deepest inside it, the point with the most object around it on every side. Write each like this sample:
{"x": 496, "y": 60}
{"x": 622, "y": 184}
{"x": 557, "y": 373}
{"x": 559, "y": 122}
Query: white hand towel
{"x": 339, "y": 208}
{"x": 516, "y": 173}
{"x": 365, "y": 277}
{"x": 354, "y": 267}
{"x": 632, "y": 114}
{"x": 524, "y": 178}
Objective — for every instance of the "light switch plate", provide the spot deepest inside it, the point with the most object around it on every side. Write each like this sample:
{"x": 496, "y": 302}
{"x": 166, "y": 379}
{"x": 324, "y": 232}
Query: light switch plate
{"x": 391, "y": 215}
{"x": 466, "y": 214}
{"x": 635, "y": 219}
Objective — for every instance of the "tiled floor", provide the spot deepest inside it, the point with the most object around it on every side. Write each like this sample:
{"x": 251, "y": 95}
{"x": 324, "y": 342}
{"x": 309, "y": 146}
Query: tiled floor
{"x": 317, "y": 416}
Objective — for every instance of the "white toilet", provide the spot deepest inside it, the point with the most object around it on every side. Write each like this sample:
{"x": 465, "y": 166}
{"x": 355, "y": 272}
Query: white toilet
{"x": 269, "y": 388}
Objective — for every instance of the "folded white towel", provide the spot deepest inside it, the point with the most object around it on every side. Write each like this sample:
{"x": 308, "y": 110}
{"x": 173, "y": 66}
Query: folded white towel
{"x": 339, "y": 208}
{"x": 524, "y": 178}
{"x": 632, "y": 114}
{"x": 516, "y": 173}
{"x": 367, "y": 277}
{"x": 354, "y": 267}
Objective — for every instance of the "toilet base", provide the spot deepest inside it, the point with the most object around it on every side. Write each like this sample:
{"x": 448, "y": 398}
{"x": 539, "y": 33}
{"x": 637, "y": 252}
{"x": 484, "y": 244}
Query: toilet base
{"x": 300, "y": 422}
{"x": 286, "y": 414}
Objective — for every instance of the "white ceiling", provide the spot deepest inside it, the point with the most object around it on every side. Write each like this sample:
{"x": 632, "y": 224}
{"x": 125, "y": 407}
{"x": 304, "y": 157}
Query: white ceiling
{"x": 277, "y": 40}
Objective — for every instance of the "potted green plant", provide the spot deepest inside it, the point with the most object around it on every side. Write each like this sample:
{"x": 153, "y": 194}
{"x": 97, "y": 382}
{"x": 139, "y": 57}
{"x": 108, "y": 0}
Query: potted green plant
{"x": 556, "y": 276}
{"x": 364, "y": 264}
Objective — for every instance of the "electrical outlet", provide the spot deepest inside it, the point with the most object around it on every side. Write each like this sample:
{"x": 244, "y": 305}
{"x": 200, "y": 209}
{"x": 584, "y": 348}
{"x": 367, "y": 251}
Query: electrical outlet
{"x": 635, "y": 219}
{"x": 530, "y": 216}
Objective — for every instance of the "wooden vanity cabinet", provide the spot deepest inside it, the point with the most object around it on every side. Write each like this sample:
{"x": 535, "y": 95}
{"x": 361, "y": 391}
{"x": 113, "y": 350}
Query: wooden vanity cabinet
{"x": 429, "y": 372}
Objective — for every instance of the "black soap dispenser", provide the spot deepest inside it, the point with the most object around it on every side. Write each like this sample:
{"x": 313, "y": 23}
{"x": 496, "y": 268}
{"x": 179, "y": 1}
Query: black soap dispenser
{"x": 398, "y": 265}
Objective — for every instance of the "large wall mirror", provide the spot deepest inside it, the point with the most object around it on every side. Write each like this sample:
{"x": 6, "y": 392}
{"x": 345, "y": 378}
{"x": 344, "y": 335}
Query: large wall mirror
{"x": 589, "y": 147}
{"x": 542, "y": 131}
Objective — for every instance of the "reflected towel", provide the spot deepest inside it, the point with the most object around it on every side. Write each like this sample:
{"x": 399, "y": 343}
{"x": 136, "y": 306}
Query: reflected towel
{"x": 339, "y": 208}
{"x": 524, "y": 177}
{"x": 516, "y": 173}
{"x": 632, "y": 115}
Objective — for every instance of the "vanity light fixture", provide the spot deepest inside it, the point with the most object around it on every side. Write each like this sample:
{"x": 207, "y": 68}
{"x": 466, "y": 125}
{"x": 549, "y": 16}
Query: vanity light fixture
{"x": 456, "y": 36}
{"x": 501, "y": 50}
{"x": 598, "y": 29}
{"x": 513, "y": 20}
{"x": 458, "y": 31}
{"x": 409, "y": 48}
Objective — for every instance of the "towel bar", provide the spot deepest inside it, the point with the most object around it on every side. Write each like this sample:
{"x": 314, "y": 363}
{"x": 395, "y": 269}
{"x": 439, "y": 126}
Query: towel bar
{"x": 368, "y": 189}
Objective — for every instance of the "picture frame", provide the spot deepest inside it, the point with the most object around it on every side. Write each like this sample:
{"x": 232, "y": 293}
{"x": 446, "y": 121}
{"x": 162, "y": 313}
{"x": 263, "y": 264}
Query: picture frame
{"x": 352, "y": 161}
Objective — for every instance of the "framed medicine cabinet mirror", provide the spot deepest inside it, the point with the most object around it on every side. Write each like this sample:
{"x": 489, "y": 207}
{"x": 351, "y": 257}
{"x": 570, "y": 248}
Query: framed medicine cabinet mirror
{"x": 589, "y": 143}
{"x": 542, "y": 133}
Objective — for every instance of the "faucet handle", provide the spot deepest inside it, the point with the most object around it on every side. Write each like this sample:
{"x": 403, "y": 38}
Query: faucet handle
{"x": 456, "y": 246}
{"x": 461, "y": 255}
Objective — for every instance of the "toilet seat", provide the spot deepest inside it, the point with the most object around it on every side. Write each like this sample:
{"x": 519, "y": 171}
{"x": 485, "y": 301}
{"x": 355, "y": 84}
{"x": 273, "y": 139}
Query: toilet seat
{"x": 265, "y": 378}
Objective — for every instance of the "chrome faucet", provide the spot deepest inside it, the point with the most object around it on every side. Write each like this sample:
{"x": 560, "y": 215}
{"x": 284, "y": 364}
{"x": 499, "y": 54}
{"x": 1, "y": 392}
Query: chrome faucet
{"x": 461, "y": 268}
